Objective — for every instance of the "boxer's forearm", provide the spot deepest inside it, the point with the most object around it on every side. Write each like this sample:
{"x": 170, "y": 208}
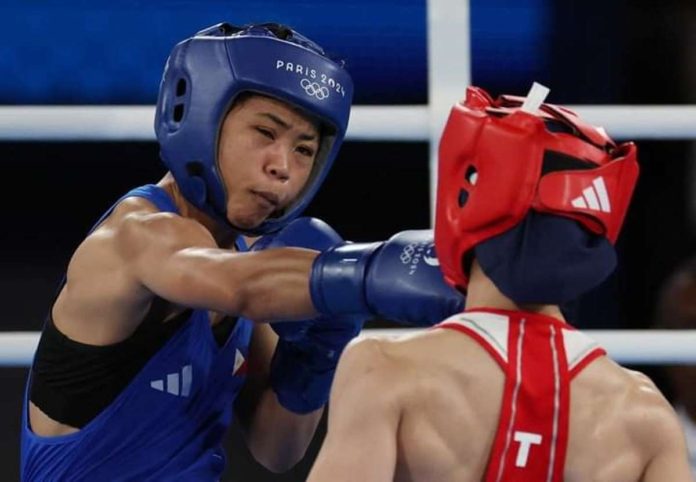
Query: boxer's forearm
{"x": 275, "y": 285}
{"x": 278, "y": 438}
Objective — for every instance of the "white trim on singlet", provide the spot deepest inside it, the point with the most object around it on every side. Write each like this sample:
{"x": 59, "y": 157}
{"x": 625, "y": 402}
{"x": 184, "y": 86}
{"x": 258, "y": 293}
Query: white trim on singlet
{"x": 515, "y": 393}
{"x": 490, "y": 326}
{"x": 556, "y": 404}
{"x": 577, "y": 346}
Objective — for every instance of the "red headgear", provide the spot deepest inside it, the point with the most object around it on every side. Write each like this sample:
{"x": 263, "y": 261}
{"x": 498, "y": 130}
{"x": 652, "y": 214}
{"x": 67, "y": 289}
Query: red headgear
{"x": 496, "y": 161}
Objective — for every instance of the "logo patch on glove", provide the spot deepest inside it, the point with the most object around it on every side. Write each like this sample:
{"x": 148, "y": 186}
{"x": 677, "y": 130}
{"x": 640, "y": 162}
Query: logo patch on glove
{"x": 414, "y": 253}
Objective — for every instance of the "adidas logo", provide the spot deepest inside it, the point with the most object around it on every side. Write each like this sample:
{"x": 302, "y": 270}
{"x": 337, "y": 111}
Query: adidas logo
{"x": 594, "y": 197}
{"x": 172, "y": 384}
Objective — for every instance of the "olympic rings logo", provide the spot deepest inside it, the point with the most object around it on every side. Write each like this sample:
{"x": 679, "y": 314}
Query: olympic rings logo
{"x": 407, "y": 253}
{"x": 314, "y": 89}
{"x": 414, "y": 253}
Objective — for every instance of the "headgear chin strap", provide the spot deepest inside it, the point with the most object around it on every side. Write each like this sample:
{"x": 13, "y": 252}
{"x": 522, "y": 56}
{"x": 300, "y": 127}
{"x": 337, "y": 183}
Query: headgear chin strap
{"x": 541, "y": 196}
{"x": 203, "y": 76}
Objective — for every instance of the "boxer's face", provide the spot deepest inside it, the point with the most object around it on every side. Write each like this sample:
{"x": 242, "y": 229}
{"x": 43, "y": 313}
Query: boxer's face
{"x": 265, "y": 156}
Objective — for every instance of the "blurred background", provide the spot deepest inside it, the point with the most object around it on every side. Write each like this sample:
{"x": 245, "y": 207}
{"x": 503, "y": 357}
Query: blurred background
{"x": 75, "y": 52}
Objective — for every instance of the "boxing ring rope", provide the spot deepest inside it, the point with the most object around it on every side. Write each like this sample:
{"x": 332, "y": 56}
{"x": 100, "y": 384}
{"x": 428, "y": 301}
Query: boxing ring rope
{"x": 449, "y": 71}
{"x": 367, "y": 123}
{"x": 629, "y": 347}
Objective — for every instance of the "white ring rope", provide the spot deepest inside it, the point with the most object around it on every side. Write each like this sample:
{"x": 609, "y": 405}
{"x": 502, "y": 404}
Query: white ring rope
{"x": 367, "y": 123}
{"x": 640, "y": 347}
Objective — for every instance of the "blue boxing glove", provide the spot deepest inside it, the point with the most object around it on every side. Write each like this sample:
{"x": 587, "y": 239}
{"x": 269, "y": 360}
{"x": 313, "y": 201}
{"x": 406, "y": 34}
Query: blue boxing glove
{"x": 305, "y": 358}
{"x": 398, "y": 279}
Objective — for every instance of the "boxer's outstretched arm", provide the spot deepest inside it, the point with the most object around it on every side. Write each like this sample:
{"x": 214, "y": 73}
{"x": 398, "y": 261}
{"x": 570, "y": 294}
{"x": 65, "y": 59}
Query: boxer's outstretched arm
{"x": 178, "y": 260}
{"x": 364, "y": 414}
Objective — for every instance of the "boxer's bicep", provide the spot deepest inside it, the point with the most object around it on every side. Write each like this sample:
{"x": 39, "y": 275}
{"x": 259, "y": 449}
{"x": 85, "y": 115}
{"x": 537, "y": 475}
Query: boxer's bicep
{"x": 178, "y": 260}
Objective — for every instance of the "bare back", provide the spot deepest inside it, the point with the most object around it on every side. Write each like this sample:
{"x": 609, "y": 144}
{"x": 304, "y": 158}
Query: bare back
{"x": 451, "y": 417}
{"x": 440, "y": 394}
{"x": 618, "y": 419}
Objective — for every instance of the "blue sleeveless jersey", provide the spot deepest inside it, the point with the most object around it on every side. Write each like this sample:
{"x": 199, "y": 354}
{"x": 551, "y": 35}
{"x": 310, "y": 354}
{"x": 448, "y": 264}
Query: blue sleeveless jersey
{"x": 168, "y": 423}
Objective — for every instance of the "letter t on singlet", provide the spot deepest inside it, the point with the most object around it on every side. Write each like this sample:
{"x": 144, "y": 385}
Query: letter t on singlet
{"x": 526, "y": 440}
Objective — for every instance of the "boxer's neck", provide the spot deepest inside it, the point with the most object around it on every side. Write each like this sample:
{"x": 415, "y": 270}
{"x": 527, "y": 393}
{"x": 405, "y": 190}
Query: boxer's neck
{"x": 483, "y": 293}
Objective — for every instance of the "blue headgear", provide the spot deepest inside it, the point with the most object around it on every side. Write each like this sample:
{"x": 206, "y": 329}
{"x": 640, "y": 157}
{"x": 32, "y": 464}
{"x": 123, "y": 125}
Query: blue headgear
{"x": 203, "y": 76}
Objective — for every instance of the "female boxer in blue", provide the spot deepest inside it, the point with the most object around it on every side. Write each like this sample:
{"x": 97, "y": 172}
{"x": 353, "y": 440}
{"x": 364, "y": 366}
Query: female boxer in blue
{"x": 148, "y": 344}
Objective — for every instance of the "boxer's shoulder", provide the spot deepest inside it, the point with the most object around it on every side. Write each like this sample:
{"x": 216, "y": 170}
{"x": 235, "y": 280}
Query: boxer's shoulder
{"x": 377, "y": 362}
{"x": 423, "y": 365}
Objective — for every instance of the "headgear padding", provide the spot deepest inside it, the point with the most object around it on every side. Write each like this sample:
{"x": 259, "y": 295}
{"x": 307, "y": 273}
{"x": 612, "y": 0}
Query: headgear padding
{"x": 504, "y": 171}
{"x": 203, "y": 76}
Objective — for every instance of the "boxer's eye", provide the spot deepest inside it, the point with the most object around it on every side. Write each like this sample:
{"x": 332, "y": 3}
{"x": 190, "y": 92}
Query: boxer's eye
{"x": 265, "y": 132}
